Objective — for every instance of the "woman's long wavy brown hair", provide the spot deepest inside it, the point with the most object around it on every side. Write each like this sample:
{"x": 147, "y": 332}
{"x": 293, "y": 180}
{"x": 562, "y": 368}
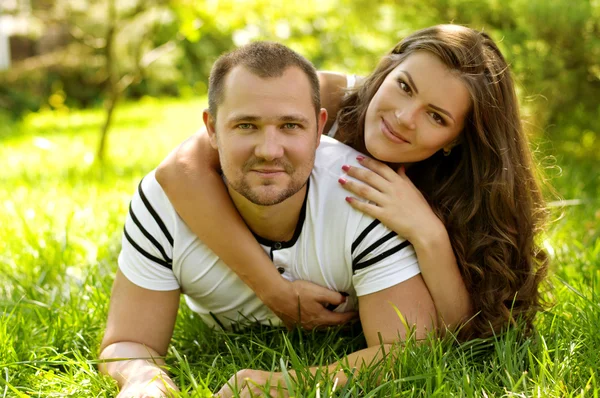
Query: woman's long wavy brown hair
{"x": 486, "y": 191}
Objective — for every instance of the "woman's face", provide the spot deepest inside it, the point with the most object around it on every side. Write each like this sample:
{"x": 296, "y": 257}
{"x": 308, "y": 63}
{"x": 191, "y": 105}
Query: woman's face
{"x": 419, "y": 109}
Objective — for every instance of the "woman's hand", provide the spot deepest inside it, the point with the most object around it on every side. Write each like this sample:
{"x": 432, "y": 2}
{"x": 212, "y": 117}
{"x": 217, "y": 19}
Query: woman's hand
{"x": 251, "y": 383}
{"x": 307, "y": 304}
{"x": 396, "y": 202}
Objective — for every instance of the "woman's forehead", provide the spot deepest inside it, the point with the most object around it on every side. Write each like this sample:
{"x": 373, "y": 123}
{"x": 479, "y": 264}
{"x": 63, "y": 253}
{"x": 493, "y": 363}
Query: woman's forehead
{"x": 432, "y": 80}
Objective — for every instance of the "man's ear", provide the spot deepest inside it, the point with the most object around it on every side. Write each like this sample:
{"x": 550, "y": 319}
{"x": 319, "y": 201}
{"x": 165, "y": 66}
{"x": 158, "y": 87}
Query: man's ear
{"x": 321, "y": 121}
{"x": 209, "y": 122}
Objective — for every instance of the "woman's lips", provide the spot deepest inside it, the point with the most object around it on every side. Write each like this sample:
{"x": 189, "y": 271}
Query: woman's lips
{"x": 388, "y": 132}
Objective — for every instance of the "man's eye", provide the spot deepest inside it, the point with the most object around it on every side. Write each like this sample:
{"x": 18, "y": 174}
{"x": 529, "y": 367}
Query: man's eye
{"x": 245, "y": 126}
{"x": 291, "y": 126}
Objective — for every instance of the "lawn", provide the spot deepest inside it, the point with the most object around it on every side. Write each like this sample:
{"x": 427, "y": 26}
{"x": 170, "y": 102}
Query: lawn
{"x": 61, "y": 223}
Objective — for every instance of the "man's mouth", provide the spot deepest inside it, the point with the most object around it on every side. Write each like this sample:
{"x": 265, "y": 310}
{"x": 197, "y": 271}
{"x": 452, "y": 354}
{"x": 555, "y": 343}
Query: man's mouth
{"x": 268, "y": 172}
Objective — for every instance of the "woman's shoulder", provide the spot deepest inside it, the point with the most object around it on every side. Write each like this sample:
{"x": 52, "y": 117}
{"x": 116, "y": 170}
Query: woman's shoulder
{"x": 333, "y": 88}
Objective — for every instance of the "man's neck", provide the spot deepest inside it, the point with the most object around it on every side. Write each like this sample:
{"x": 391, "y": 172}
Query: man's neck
{"x": 277, "y": 222}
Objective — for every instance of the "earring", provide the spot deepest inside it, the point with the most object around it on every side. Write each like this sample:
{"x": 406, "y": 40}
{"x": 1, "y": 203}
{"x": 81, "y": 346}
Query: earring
{"x": 447, "y": 152}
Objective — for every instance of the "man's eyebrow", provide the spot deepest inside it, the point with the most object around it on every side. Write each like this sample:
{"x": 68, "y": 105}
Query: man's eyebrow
{"x": 414, "y": 87}
{"x": 243, "y": 118}
{"x": 294, "y": 118}
{"x": 283, "y": 118}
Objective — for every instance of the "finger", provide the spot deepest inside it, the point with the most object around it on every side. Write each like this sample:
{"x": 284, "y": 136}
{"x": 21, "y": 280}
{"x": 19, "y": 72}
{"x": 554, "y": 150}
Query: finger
{"x": 338, "y": 318}
{"x": 401, "y": 171}
{"x": 309, "y": 291}
{"x": 235, "y": 383}
{"x": 362, "y": 190}
{"x": 378, "y": 167}
{"x": 367, "y": 208}
{"x": 402, "y": 174}
{"x": 224, "y": 392}
{"x": 327, "y": 297}
{"x": 367, "y": 176}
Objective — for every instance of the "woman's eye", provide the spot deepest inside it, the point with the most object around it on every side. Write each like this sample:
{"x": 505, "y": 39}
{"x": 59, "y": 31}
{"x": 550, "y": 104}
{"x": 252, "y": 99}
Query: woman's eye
{"x": 404, "y": 87}
{"x": 438, "y": 119}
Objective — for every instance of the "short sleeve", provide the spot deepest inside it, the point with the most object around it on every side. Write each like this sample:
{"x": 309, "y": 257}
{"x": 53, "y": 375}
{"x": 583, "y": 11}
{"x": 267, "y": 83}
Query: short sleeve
{"x": 146, "y": 256}
{"x": 380, "y": 258}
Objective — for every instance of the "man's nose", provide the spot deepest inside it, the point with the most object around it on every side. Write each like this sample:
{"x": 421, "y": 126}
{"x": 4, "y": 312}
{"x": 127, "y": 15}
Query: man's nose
{"x": 270, "y": 146}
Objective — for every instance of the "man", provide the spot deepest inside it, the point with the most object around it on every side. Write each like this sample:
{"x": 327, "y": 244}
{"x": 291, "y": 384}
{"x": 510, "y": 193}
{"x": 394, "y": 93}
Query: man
{"x": 265, "y": 120}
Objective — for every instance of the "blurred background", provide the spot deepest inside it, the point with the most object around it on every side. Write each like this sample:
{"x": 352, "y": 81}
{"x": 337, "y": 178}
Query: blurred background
{"x": 61, "y": 55}
{"x": 95, "y": 93}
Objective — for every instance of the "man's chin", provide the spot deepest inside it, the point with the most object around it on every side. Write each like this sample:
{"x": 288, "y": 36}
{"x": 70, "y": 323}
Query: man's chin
{"x": 262, "y": 199}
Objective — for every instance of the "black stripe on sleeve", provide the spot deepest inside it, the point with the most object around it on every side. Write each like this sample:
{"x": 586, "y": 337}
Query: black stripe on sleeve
{"x": 383, "y": 255}
{"x": 155, "y": 215}
{"x": 146, "y": 254}
{"x": 373, "y": 246}
{"x": 148, "y": 235}
{"x": 363, "y": 235}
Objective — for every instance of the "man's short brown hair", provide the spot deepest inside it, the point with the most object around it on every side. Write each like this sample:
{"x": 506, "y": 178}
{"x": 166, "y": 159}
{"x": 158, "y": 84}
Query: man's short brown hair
{"x": 264, "y": 59}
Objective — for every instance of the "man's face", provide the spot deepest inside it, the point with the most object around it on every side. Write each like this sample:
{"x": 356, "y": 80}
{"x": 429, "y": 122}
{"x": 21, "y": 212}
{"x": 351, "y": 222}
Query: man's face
{"x": 266, "y": 133}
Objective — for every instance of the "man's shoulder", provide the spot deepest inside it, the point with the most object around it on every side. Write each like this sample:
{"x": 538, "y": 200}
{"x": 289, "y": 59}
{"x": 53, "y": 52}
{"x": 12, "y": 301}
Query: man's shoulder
{"x": 150, "y": 205}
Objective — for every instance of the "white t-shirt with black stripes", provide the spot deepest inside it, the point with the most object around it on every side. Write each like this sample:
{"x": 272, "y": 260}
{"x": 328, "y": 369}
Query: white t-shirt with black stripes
{"x": 334, "y": 246}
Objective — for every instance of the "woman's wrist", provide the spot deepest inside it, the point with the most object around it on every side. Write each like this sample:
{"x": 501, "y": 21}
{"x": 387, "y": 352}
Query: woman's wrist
{"x": 275, "y": 292}
{"x": 430, "y": 237}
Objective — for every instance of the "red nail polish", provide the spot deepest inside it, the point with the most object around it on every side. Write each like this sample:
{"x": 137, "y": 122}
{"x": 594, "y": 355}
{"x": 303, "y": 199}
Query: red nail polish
{"x": 342, "y": 180}
{"x": 345, "y": 167}
{"x": 348, "y": 199}
{"x": 360, "y": 158}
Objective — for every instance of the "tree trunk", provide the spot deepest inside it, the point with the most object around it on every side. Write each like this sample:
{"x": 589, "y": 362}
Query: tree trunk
{"x": 112, "y": 82}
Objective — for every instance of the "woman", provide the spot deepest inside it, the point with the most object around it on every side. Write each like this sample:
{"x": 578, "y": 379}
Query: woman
{"x": 457, "y": 183}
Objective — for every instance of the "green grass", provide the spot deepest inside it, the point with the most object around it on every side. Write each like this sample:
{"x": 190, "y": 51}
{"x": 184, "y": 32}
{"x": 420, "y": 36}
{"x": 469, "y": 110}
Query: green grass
{"x": 61, "y": 221}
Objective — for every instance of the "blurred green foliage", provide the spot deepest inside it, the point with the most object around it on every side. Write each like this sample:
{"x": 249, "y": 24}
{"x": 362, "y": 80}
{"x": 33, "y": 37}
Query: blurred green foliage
{"x": 553, "y": 48}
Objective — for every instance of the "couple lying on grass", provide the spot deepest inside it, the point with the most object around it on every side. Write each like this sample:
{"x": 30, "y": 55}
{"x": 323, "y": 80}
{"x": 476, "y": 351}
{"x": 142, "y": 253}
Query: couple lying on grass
{"x": 425, "y": 204}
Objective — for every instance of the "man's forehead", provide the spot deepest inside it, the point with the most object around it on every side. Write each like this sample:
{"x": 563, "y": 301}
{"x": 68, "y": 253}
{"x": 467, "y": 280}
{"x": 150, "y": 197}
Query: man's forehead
{"x": 240, "y": 79}
{"x": 248, "y": 96}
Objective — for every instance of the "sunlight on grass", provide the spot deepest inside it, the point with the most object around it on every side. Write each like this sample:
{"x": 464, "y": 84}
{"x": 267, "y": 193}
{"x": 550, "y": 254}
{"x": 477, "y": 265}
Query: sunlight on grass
{"x": 61, "y": 223}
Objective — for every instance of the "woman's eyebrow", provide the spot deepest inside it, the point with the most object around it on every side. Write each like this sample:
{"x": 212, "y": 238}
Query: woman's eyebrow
{"x": 414, "y": 87}
{"x": 411, "y": 81}
{"x": 437, "y": 108}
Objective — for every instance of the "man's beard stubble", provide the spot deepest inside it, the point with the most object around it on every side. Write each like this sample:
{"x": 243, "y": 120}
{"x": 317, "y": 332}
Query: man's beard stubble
{"x": 246, "y": 191}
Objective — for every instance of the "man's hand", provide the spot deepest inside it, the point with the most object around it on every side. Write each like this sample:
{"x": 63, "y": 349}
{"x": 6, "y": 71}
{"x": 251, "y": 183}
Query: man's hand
{"x": 158, "y": 387}
{"x": 251, "y": 383}
{"x": 304, "y": 303}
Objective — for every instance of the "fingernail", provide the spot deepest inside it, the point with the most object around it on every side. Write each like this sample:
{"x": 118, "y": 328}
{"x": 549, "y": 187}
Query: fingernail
{"x": 360, "y": 158}
{"x": 345, "y": 167}
{"x": 342, "y": 181}
{"x": 348, "y": 199}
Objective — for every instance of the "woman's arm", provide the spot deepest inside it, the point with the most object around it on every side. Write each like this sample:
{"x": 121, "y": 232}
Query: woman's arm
{"x": 398, "y": 204}
{"x": 332, "y": 86}
{"x": 190, "y": 179}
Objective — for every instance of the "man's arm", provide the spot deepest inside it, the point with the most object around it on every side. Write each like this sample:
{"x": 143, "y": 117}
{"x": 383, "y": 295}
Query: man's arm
{"x": 140, "y": 325}
{"x": 379, "y": 317}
